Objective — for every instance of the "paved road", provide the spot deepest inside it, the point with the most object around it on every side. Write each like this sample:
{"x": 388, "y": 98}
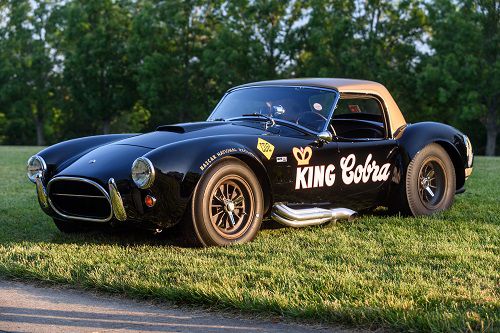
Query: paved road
{"x": 27, "y": 308}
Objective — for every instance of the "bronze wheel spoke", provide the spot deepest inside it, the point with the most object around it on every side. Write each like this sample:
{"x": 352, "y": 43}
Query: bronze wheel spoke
{"x": 431, "y": 183}
{"x": 231, "y": 206}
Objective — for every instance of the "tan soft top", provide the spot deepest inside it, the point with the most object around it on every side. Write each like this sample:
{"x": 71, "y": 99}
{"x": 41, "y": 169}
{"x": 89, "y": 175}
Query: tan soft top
{"x": 345, "y": 86}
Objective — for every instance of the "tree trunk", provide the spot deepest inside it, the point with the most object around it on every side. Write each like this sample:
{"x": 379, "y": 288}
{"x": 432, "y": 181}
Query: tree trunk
{"x": 491, "y": 130}
{"x": 40, "y": 136}
{"x": 106, "y": 124}
{"x": 491, "y": 141}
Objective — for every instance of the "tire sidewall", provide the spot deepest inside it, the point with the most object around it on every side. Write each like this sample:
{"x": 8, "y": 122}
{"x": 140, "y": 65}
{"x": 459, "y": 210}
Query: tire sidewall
{"x": 430, "y": 152}
{"x": 202, "y": 225}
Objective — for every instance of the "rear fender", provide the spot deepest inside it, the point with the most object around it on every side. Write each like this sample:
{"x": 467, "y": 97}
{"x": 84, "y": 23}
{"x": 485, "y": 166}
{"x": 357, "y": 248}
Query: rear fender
{"x": 416, "y": 136}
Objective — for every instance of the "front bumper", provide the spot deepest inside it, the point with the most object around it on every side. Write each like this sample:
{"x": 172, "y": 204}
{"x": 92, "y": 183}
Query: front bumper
{"x": 468, "y": 172}
{"x": 116, "y": 201}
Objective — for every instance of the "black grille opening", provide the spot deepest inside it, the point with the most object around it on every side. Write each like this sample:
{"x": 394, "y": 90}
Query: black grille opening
{"x": 79, "y": 198}
{"x": 74, "y": 187}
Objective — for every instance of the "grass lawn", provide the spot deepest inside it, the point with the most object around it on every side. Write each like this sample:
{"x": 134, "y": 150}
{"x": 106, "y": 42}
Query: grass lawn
{"x": 439, "y": 273}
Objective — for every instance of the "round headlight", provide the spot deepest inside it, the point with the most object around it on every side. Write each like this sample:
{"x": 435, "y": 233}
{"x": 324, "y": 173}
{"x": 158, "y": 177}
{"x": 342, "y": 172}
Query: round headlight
{"x": 143, "y": 172}
{"x": 36, "y": 167}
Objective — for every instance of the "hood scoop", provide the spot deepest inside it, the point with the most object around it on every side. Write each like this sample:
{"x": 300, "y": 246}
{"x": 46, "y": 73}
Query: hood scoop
{"x": 188, "y": 127}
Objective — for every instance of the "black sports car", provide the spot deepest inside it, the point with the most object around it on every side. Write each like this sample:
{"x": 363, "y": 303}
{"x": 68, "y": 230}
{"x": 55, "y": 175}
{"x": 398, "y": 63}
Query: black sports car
{"x": 299, "y": 151}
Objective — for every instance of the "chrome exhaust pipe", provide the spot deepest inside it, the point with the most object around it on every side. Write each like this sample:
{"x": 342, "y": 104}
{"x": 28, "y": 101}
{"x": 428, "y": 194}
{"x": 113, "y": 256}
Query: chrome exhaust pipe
{"x": 297, "y": 218}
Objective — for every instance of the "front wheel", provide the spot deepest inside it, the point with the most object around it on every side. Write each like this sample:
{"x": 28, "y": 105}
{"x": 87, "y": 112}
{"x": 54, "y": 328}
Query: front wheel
{"x": 430, "y": 181}
{"x": 227, "y": 205}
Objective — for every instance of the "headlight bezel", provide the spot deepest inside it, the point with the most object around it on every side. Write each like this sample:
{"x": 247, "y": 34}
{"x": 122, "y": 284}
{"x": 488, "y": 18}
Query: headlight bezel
{"x": 39, "y": 172}
{"x": 148, "y": 182}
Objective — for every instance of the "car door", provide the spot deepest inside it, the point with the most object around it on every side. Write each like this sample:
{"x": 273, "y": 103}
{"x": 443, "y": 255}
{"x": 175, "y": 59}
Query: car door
{"x": 354, "y": 170}
{"x": 365, "y": 170}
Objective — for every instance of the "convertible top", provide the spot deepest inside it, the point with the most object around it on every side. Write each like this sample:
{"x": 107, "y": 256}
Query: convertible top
{"x": 344, "y": 86}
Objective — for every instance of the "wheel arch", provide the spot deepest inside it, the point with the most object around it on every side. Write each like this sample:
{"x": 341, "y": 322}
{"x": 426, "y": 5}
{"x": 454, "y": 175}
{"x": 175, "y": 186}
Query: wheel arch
{"x": 417, "y": 136}
{"x": 456, "y": 160}
{"x": 262, "y": 176}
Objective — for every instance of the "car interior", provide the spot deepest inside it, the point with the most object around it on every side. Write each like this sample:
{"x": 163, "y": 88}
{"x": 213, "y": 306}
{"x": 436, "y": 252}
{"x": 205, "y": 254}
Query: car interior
{"x": 358, "y": 117}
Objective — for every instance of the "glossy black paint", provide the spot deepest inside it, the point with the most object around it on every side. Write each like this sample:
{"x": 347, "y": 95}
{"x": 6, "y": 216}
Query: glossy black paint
{"x": 182, "y": 153}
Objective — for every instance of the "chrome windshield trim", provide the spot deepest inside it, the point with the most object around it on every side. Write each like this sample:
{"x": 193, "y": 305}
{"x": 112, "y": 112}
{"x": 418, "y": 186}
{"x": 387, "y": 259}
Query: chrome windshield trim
{"x": 80, "y": 218}
{"x": 281, "y": 122}
{"x": 334, "y": 105}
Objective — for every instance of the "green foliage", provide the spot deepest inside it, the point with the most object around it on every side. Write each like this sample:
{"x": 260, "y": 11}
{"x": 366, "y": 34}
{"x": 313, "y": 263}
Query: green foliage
{"x": 461, "y": 78}
{"x": 94, "y": 43}
{"x": 73, "y": 68}
{"x": 427, "y": 274}
{"x": 27, "y": 74}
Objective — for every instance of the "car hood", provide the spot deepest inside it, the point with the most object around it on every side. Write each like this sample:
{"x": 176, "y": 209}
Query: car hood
{"x": 102, "y": 163}
{"x": 115, "y": 160}
{"x": 174, "y": 133}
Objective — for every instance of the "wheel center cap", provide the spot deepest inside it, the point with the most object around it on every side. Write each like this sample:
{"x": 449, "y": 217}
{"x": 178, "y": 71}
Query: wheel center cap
{"x": 230, "y": 206}
{"x": 425, "y": 182}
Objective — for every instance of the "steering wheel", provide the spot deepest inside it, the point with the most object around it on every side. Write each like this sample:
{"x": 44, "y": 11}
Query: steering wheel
{"x": 312, "y": 120}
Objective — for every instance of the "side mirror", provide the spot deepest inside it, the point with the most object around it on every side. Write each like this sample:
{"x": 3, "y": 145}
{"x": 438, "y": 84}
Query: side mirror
{"x": 325, "y": 136}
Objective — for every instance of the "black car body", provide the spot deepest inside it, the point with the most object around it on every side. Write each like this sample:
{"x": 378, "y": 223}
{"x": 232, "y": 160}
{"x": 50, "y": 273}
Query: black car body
{"x": 321, "y": 149}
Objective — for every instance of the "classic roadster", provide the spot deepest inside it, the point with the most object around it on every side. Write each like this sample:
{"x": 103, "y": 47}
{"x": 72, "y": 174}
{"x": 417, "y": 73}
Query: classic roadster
{"x": 300, "y": 151}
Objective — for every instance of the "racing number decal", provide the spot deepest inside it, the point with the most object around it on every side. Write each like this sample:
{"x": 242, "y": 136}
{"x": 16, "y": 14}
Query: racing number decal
{"x": 265, "y": 148}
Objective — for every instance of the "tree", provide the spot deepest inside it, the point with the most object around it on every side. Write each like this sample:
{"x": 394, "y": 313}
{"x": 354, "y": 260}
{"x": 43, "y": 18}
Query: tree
{"x": 97, "y": 73}
{"x": 374, "y": 40}
{"x": 165, "y": 47}
{"x": 188, "y": 53}
{"x": 27, "y": 69}
{"x": 460, "y": 78}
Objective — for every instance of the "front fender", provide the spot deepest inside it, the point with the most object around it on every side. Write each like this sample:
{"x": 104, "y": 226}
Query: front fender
{"x": 179, "y": 166}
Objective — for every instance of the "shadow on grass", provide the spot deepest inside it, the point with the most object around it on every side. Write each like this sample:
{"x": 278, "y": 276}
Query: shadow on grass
{"x": 44, "y": 231}
{"x": 132, "y": 235}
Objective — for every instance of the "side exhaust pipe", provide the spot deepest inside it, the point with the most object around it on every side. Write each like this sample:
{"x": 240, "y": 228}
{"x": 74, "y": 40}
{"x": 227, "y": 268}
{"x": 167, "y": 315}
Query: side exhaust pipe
{"x": 297, "y": 218}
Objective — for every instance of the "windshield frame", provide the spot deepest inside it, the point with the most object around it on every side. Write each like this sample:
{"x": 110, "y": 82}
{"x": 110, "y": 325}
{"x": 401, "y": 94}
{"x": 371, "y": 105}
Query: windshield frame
{"x": 330, "y": 114}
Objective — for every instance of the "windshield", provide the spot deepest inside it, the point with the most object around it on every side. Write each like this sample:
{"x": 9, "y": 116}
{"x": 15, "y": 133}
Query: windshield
{"x": 308, "y": 107}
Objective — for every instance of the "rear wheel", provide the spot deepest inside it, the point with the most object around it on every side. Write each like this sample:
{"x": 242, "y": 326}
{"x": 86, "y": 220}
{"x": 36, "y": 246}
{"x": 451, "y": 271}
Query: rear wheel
{"x": 430, "y": 181}
{"x": 227, "y": 205}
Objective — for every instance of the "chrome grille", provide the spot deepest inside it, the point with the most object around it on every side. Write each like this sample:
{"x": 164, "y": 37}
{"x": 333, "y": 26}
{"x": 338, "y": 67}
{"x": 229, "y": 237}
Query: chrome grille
{"x": 79, "y": 199}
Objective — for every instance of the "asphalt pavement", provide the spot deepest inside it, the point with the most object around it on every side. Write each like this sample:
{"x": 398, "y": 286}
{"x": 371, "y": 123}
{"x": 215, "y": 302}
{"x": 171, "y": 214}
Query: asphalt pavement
{"x": 30, "y": 308}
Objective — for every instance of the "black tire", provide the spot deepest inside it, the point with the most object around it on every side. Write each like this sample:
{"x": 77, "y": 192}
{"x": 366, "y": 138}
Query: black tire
{"x": 229, "y": 188}
{"x": 430, "y": 181}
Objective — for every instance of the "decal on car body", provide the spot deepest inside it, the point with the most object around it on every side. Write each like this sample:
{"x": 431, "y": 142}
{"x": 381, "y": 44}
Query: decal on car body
{"x": 265, "y": 148}
{"x": 302, "y": 155}
{"x": 321, "y": 175}
{"x": 224, "y": 152}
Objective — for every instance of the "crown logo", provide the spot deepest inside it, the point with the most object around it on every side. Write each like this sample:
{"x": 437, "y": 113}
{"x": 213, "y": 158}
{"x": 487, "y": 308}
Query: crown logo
{"x": 302, "y": 155}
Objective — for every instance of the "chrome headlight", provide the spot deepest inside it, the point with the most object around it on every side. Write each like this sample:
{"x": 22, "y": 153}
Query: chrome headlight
{"x": 470, "y": 154}
{"x": 36, "y": 167}
{"x": 143, "y": 172}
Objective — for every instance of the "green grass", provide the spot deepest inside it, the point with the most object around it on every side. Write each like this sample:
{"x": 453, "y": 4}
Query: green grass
{"x": 437, "y": 273}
